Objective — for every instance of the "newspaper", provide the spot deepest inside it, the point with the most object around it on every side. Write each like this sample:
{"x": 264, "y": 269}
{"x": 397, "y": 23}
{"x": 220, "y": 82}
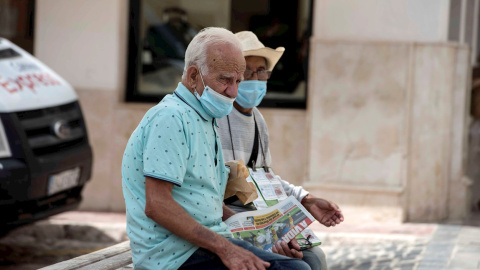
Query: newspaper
{"x": 270, "y": 192}
{"x": 264, "y": 228}
{"x": 307, "y": 239}
{"x": 269, "y": 187}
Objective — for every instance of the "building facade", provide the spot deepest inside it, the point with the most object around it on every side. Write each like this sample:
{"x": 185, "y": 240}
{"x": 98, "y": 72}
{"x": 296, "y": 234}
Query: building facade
{"x": 384, "y": 131}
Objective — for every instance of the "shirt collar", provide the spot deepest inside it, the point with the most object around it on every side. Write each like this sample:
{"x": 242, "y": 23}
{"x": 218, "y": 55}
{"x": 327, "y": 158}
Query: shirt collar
{"x": 186, "y": 96}
{"x": 246, "y": 114}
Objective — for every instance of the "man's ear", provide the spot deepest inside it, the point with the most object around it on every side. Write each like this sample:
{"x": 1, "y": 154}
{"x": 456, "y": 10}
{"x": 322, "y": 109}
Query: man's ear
{"x": 192, "y": 76}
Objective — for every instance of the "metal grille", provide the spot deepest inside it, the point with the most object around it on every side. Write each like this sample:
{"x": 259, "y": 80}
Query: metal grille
{"x": 39, "y": 128}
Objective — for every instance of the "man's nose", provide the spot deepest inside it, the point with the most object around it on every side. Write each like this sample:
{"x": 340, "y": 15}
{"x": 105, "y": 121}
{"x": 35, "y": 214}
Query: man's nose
{"x": 232, "y": 91}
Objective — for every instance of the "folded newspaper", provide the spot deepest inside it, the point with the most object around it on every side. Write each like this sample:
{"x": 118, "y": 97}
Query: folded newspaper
{"x": 283, "y": 221}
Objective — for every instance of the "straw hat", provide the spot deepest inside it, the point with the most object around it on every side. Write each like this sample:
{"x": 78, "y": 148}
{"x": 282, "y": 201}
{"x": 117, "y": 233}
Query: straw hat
{"x": 251, "y": 46}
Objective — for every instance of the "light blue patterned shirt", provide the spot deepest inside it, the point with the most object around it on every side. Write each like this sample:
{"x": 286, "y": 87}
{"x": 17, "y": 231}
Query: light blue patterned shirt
{"x": 176, "y": 141}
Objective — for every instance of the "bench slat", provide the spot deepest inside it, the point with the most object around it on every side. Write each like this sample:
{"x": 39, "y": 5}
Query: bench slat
{"x": 127, "y": 267}
{"x": 91, "y": 258}
{"x": 111, "y": 263}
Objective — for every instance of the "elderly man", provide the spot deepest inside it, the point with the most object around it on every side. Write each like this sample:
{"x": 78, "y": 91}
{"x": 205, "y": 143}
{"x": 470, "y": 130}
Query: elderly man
{"x": 244, "y": 135}
{"x": 173, "y": 170}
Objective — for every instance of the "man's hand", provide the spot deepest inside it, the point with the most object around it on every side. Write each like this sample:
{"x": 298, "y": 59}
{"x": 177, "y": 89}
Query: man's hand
{"x": 325, "y": 211}
{"x": 238, "y": 258}
{"x": 291, "y": 249}
{"x": 227, "y": 212}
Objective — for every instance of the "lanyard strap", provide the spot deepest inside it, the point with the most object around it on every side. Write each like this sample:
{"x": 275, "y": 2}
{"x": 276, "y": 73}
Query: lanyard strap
{"x": 253, "y": 156}
{"x": 231, "y": 140}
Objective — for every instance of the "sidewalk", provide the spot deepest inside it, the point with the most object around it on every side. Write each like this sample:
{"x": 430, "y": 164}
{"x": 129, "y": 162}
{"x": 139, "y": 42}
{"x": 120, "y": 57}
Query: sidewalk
{"x": 347, "y": 246}
{"x": 59, "y": 238}
{"x": 401, "y": 246}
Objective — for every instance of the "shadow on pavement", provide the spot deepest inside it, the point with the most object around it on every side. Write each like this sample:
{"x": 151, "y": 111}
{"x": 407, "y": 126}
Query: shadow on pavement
{"x": 41, "y": 244}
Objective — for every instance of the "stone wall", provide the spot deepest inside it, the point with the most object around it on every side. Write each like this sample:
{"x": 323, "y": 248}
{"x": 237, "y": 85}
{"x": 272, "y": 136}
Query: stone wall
{"x": 386, "y": 127}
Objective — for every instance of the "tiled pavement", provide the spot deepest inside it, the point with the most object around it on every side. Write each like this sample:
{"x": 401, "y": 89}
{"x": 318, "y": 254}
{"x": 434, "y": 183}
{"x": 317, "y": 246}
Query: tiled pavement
{"x": 373, "y": 253}
{"x": 347, "y": 246}
{"x": 401, "y": 246}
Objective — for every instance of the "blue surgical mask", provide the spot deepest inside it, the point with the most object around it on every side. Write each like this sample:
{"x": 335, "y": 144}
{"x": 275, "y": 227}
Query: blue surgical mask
{"x": 251, "y": 93}
{"x": 215, "y": 104}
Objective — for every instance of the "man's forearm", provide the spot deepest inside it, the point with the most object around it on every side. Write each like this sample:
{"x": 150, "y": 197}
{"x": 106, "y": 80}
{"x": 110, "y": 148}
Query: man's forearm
{"x": 163, "y": 209}
{"x": 306, "y": 198}
{"x": 174, "y": 218}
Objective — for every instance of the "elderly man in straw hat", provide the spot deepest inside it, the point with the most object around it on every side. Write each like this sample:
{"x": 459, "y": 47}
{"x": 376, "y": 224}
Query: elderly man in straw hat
{"x": 244, "y": 135}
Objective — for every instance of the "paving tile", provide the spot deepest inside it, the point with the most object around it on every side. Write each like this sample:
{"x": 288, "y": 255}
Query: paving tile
{"x": 432, "y": 265}
{"x": 465, "y": 260}
{"x": 435, "y": 267}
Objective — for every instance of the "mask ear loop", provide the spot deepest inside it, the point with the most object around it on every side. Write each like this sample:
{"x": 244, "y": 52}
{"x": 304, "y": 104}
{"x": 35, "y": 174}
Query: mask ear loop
{"x": 195, "y": 89}
{"x": 201, "y": 77}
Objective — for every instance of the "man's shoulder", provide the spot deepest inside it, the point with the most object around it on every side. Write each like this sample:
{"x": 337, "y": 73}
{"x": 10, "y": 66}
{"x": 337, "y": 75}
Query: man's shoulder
{"x": 257, "y": 112}
{"x": 259, "y": 116}
{"x": 169, "y": 106}
{"x": 233, "y": 119}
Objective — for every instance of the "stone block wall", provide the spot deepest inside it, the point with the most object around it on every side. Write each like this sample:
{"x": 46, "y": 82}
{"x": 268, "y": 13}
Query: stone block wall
{"x": 386, "y": 127}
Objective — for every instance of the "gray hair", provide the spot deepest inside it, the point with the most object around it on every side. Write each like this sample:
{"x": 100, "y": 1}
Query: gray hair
{"x": 196, "y": 53}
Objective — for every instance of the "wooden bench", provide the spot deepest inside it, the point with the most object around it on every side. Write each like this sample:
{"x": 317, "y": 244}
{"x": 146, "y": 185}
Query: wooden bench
{"x": 117, "y": 257}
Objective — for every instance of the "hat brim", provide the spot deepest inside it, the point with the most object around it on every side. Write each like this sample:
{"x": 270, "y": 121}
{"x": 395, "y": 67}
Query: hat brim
{"x": 270, "y": 54}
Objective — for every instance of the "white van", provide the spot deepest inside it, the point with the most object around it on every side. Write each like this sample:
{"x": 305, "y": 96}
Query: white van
{"x": 45, "y": 156}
